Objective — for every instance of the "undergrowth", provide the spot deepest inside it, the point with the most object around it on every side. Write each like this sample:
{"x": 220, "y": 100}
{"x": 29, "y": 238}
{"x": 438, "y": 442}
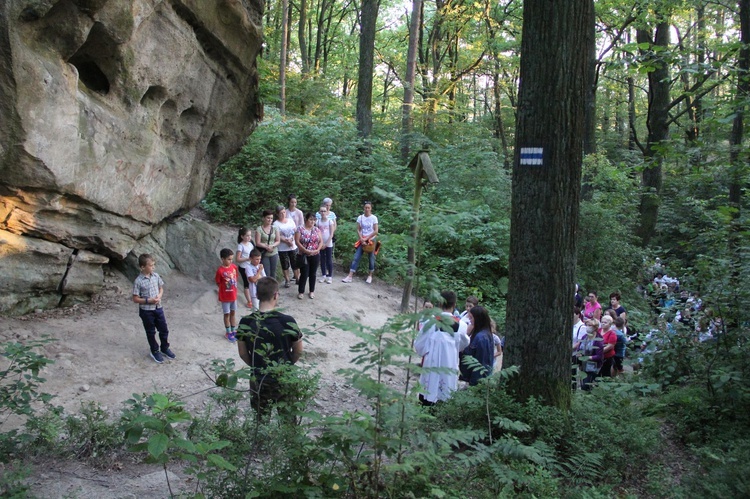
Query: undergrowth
{"x": 480, "y": 443}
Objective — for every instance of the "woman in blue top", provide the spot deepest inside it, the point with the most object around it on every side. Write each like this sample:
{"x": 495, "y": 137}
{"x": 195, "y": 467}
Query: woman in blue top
{"x": 481, "y": 347}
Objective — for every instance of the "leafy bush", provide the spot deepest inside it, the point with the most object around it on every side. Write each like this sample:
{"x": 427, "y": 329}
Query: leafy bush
{"x": 311, "y": 158}
{"x": 93, "y": 434}
{"x": 20, "y": 394}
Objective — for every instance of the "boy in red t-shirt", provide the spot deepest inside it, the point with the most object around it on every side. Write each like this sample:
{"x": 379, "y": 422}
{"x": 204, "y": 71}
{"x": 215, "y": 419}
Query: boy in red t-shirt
{"x": 226, "y": 279}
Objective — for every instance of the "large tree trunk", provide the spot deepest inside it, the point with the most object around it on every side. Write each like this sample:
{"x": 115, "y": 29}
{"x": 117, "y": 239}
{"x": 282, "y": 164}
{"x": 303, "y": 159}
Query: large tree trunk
{"x": 407, "y": 121}
{"x": 545, "y": 198}
{"x": 368, "y": 25}
{"x": 658, "y": 129}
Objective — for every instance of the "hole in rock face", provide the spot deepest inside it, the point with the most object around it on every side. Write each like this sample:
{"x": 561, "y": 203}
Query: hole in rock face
{"x": 97, "y": 60}
{"x": 155, "y": 93}
{"x": 91, "y": 75}
{"x": 213, "y": 149}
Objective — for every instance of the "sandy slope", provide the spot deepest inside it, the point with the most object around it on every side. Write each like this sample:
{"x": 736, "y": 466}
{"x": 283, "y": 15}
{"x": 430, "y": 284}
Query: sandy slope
{"x": 101, "y": 355}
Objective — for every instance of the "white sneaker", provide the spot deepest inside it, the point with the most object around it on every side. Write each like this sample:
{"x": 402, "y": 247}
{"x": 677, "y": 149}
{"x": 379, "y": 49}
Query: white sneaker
{"x": 322, "y": 279}
{"x": 346, "y": 279}
{"x": 369, "y": 279}
{"x": 329, "y": 280}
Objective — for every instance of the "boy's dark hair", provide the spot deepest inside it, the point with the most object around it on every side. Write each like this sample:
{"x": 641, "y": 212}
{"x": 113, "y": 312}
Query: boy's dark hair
{"x": 619, "y": 322}
{"x": 615, "y": 295}
{"x": 266, "y": 287}
{"x": 449, "y": 300}
{"x": 225, "y": 253}
{"x": 144, "y": 259}
{"x": 255, "y": 252}
{"x": 473, "y": 300}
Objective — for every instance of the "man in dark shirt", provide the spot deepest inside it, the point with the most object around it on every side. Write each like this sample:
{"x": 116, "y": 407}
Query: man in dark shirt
{"x": 268, "y": 341}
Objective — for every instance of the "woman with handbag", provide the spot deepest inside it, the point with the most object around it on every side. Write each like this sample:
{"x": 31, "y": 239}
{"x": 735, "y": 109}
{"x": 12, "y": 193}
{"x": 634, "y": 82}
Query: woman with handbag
{"x": 267, "y": 241}
{"x": 367, "y": 227}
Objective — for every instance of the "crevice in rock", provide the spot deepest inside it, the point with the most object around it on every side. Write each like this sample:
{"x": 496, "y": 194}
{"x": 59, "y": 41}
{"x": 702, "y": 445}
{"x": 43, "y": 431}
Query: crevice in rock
{"x": 96, "y": 60}
{"x": 212, "y": 46}
{"x": 213, "y": 148}
{"x": 61, "y": 286}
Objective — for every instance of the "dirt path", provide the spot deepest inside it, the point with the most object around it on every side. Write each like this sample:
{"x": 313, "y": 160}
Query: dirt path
{"x": 101, "y": 355}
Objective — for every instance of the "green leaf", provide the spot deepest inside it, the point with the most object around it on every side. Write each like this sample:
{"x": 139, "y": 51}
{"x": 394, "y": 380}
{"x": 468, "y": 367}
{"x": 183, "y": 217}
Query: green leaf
{"x": 157, "y": 444}
{"x": 220, "y": 462}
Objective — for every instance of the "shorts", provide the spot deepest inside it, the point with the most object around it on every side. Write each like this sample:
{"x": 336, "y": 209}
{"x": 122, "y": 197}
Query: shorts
{"x": 243, "y": 273}
{"x": 288, "y": 259}
{"x": 228, "y": 306}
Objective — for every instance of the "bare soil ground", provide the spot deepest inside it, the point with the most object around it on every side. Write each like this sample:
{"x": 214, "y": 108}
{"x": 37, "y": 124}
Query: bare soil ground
{"x": 101, "y": 355}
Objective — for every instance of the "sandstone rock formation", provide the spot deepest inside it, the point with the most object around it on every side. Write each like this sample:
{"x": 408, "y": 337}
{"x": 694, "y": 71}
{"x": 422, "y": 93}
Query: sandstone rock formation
{"x": 114, "y": 115}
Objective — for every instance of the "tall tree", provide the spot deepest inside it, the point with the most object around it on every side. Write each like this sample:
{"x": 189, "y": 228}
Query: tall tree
{"x": 368, "y": 25}
{"x": 589, "y": 136}
{"x": 654, "y": 51}
{"x": 283, "y": 54}
{"x": 546, "y": 195}
{"x": 301, "y": 35}
{"x": 738, "y": 164}
{"x": 411, "y": 71}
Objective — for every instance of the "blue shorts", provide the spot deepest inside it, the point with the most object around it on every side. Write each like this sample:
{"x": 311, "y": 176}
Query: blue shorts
{"x": 229, "y": 306}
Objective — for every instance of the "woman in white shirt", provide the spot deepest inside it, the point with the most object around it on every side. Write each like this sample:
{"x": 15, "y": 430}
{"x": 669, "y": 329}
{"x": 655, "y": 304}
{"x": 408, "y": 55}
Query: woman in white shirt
{"x": 367, "y": 227}
{"x": 327, "y": 229}
{"x": 287, "y": 247}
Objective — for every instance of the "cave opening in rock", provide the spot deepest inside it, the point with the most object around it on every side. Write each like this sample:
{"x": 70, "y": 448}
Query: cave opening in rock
{"x": 91, "y": 75}
{"x": 97, "y": 61}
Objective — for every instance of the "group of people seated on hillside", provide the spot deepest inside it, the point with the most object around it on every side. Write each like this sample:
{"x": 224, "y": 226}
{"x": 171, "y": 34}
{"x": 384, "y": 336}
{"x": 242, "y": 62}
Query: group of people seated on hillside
{"x": 455, "y": 347}
{"x": 601, "y": 335}
{"x": 599, "y": 338}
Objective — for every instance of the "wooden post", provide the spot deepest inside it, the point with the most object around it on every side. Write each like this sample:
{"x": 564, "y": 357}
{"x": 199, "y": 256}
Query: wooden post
{"x": 421, "y": 166}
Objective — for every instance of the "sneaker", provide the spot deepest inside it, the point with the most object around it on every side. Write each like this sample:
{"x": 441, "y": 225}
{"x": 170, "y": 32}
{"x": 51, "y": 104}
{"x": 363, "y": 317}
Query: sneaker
{"x": 169, "y": 354}
{"x": 369, "y": 279}
{"x": 231, "y": 337}
{"x": 346, "y": 279}
{"x": 286, "y": 284}
{"x": 157, "y": 357}
{"x": 322, "y": 279}
{"x": 329, "y": 280}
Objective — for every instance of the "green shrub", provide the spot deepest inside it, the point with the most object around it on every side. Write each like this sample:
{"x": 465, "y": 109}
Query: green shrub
{"x": 20, "y": 395}
{"x": 94, "y": 435}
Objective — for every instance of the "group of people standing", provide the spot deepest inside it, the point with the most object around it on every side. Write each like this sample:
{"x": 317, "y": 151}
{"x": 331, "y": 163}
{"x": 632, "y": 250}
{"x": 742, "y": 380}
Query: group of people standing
{"x": 303, "y": 242}
{"x": 599, "y": 338}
